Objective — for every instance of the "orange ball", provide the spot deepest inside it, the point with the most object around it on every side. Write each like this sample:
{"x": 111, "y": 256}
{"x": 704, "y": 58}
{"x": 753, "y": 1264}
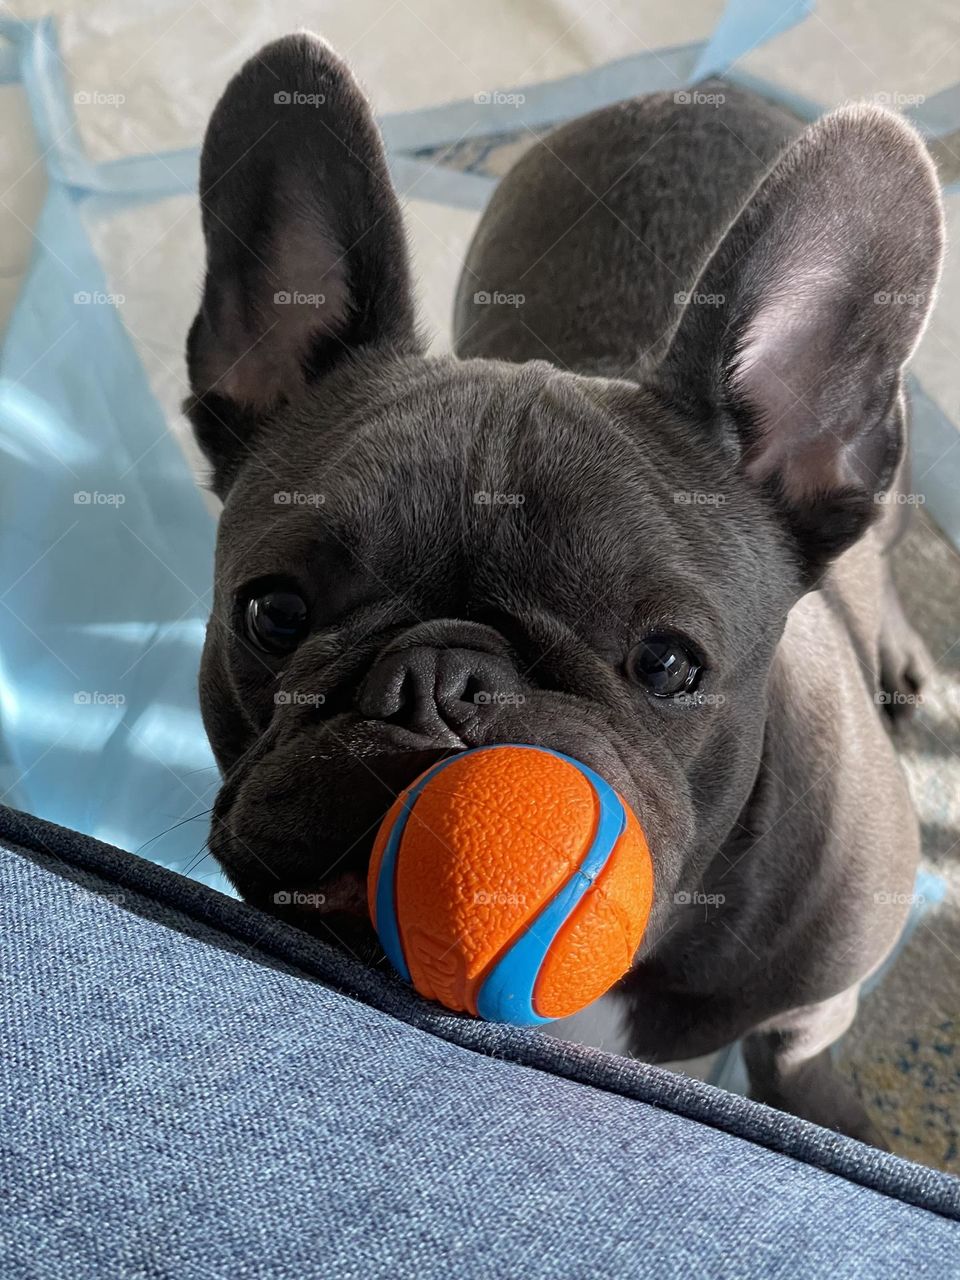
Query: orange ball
{"x": 510, "y": 882}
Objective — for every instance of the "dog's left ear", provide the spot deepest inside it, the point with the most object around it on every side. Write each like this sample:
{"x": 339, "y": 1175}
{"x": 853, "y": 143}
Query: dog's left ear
{"x": 306, "y": 256}
{"x": 801, "y": 322}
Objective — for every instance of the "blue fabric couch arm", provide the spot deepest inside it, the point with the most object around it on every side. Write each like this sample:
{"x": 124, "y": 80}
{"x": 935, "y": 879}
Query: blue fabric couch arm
{"x": 191, "y": 1088}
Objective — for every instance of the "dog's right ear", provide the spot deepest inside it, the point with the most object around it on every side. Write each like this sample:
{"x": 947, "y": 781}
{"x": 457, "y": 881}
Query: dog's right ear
{"x": 800, "y": 324}
{"x": 306, "y": 256}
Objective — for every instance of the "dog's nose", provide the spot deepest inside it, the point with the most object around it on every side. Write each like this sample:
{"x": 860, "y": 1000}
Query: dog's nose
{"x": 436, "y": 692}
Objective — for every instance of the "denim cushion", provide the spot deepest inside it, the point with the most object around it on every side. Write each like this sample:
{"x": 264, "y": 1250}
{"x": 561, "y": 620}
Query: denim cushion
{"x": 191, "y": 1088}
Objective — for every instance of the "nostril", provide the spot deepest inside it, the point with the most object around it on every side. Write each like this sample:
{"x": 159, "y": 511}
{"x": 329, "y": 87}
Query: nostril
{"x": 470, "y": 682}
{"x": 406, "y": 700}
{"x": 473, "y": 689}
{"x": 401, "y": 690}
{"x": 382, "y": 694}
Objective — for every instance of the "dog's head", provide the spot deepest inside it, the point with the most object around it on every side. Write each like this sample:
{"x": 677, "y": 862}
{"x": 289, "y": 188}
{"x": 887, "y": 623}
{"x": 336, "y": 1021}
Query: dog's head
{"x": 420, "y": 554}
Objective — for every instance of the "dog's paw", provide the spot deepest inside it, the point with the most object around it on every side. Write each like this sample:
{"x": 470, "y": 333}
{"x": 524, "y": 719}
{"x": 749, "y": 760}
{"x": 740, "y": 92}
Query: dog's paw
{"x": 905, "y": 663}
{"x": 855, "y": 1123}
{"x": 829, "y": 1102}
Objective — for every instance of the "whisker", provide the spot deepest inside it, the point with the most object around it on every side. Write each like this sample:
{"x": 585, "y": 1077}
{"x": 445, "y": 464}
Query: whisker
{"x": 199, "y": 857}
{"x": 205, "y": 813}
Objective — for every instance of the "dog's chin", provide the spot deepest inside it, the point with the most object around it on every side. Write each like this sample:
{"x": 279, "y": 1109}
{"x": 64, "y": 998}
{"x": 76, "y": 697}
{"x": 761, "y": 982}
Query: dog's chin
{"x": 338, "y": 914}
{"x": 295, "y": 831}
{"x": 352, "y": 934}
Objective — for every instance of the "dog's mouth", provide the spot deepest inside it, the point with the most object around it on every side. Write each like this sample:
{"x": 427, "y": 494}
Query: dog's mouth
{"x": 296, "y": 826}
{"x": 299, "y": 846}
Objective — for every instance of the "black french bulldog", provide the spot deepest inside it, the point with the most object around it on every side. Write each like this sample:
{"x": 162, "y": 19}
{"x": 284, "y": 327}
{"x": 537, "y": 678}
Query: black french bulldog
{"x": 640, "y": 519}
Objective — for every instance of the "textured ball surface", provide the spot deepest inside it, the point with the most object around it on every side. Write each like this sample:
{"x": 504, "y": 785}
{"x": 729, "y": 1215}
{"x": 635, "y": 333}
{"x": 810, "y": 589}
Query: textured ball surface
{"x": 510, "y": 882}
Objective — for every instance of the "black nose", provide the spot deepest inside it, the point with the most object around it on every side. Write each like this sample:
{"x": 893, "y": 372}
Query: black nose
{"x": 437, "y": 692}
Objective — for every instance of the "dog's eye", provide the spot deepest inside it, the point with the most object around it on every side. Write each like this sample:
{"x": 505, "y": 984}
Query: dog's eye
{"x": 277, "y": 621}
{"x": 663, "y": 665}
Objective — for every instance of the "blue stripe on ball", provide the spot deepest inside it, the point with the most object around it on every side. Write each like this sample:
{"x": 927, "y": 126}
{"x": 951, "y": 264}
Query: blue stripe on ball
{"x": 387, "y": 926}
{"x": 507, "y": 991}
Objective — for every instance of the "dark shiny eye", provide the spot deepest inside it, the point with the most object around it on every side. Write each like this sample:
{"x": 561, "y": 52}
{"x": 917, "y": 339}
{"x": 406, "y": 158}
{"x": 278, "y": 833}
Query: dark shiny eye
{"x": 663, "y": 665}
{"x": 277, "y": 621}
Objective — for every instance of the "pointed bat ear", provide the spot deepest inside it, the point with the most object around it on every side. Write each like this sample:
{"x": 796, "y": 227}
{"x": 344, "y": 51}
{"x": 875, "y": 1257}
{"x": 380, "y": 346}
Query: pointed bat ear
{"x": 306, "y": 255}
{"x": 825, "y": 281}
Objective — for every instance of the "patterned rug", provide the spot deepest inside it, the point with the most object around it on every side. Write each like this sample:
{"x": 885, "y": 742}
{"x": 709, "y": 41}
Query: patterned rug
{"x": 902, "y": 1052}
